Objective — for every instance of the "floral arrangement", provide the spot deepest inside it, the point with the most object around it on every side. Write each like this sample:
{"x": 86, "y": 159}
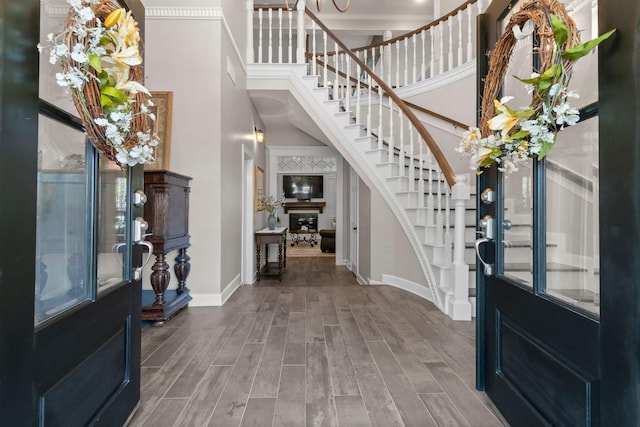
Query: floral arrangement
{"x": 99, "y": 50}
{"x": 509, "y": 137}
{"x": 271, "y": 204}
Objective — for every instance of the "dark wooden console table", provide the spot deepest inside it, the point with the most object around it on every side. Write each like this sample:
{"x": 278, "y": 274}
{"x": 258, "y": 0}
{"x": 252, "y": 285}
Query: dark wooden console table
{"x": 266, "y": 237}
{"x": 167, "y": 212}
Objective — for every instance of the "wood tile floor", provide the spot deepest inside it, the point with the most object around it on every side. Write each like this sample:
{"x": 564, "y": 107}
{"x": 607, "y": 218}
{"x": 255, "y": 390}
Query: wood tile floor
{"x": 316, "y": 349}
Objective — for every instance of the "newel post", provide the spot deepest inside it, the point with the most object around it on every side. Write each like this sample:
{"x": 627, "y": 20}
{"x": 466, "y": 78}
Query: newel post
{"x": 459, "y": 307}
{"x": 250, "y": 54}
{"x": 300, "y": 44}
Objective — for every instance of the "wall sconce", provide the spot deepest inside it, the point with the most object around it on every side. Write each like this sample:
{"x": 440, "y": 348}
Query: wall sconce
{"x": 259, "y": 135}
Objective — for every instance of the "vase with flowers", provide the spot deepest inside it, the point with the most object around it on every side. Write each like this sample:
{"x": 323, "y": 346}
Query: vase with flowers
{"x": 271, "y": 204}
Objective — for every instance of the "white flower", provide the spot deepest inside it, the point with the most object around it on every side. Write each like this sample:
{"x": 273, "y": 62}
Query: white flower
{"x": 78, "y": 54}
{"x": 76, "y": 4}
{"x": 86, "y": 14}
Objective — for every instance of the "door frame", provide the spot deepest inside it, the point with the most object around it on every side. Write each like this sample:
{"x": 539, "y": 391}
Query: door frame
{"x": 353, "y": 221}
{"x": 248, "y": 216}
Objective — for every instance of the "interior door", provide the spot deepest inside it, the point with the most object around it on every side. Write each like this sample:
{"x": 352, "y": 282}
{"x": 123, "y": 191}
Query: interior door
{"x": 539, "y": 266}
{"x": 353, "y": 220}
{"x": 71, "y": 322}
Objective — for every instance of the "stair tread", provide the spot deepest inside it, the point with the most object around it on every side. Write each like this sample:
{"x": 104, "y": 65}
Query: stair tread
{"x": 525, "y": 266}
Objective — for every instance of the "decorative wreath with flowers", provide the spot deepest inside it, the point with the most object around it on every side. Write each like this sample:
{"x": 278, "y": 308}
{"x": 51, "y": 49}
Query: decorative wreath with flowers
{"x": 99, "y": 50}
{"x": 509, "y": 137}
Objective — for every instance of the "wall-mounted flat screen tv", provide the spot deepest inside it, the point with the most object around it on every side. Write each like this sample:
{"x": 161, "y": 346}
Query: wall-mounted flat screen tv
{"x": 302, "y": 187}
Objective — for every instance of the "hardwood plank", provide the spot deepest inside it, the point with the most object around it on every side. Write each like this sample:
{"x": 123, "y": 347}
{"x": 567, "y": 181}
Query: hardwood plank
{"x": 351, "y": 412}
{"x": 294, "y": 351}
{"x": 329, "y": 316}
{"x": 424, "y": 351}
{"x": 366, "y": 324}
{"x": 463, "y": 398}
{"x": 443, "y": 410}
{"x": 298, "y": 301}
{"x": 236, "y": 340}
{"x": 232, "y": 403}
{"x": 167, "y": 348}
{"x": 342, "y": 374}
{"x": 167, "y": 413}
{"x": 314, "y": 328}
{"x": 153, "y": 339}
{"x": 270, "y": 300}
{"x": 355, "y": 342}
{"x": 259, "y": 412}
{"x": 410, "y": 406}
{"x": 418, "y": 374}
{"x": 204, "y": 400}
{"x": 290, "y": 405}
{"x": 283, "y": 307}
{"x": 190, "y": 377}
{"x": 268, "y": 374}
{"x": 380, "y": 407}
{"x": 260, "y": 328}
{"x": 146, "y": 375}
{"x": 320, "y": 407}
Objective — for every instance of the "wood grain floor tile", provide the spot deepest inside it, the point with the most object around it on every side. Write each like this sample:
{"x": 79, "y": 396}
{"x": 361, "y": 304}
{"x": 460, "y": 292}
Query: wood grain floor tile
{"x": 290, "y": 405}
{"x": 268, "y": 374}
{"x": 234, "y": 343}
{"x": 380, "y": 407}
{"x": 351, "y": 412}
{"x": 314, "y": 327}
{"x": 366, "y": 324}
{"x": 320, "y": 406}
{"x": 205, "y": 398}
{"x": 260, "y": 328}
{"x": 342, "y": 374}
{"x": 283, "y": 307}
{"x": 443, "y": 410}
{"x": 259, "y": 412}
{"x": 167, "y": 413}
{"x": 353, "y": 337}
{"x": 294, "y": 351}
{"x": 298, "y": 301}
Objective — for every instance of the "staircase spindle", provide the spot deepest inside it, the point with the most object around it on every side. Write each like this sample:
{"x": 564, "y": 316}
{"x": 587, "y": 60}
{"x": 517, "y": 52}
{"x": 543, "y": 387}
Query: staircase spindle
{"x": 421, "y": 177}
{"x": 450, "y": 56}
{"x": 336, "y": 87}
{"x": 348, "y": 87}
{"x": 447, "y": 229}
{"x": 406, "y": 61}
{"x": 301, "y": 58}
{"x": 430, "y": 198}
{"x": 326, "y": 60}
{"x": 469, "y": 33}
{"x": 373, "y": 61}
{"x": 290, "y": 44}
{"x": 250, "y": 53}
{"x": 370, "y": 104}
{"x": 358, "y": 121}
{"x": 432, "y": 62}
{"x": 441, "y": 45}
{"x": 380, "y": 121}
{"x": 439, "y": 212}
{"x": 423, "y": 65}
{"x": 270, "y": 18}
{"x": 260, "y": 47}
{"x": 412, "y": 166}
{"x": 391, "y": 141}
{"x": 459, "y": 39}
{"x": 280, "y": 36}
{"x": 398, "y": 85}
{"x": 314, "y": 65}
{"x": 402, "y": 161}
{"x": 414, "y": 71}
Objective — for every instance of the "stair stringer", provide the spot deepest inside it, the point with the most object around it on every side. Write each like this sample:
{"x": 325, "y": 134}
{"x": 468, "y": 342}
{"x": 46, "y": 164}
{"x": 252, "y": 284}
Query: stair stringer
{"x": 291, "y": 77}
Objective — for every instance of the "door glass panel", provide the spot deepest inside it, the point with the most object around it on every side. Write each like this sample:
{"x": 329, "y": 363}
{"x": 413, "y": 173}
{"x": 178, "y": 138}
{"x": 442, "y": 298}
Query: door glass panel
{"x": 585, "y": 71}
{"x": 518, "y": 190}
{"x": 62, "y": 228}
{"x": 572, "y": 181}
{"x": 112, "y": 204}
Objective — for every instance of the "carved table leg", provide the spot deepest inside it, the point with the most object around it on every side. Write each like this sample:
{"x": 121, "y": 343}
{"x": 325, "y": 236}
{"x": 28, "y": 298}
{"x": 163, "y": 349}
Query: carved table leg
{"x": 280, "y": 245}
{"x": 182, "y": 269}
{"x": 160, "y": 278}
{"x": 258, "y": 261}
{"x": 284, "y": 247}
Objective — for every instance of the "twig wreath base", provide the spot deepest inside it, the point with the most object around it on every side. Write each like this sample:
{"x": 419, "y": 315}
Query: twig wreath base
{"x": 509, "y": 137}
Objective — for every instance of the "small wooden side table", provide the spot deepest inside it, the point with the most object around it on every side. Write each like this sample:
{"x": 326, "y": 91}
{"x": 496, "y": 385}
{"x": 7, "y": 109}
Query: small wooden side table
{"x": 266, "y": 237}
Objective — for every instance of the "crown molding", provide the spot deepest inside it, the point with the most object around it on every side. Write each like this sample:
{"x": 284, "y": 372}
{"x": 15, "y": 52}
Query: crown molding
{"x": 197, "y": 13}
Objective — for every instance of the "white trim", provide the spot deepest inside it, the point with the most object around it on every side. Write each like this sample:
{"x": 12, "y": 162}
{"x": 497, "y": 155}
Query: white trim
{"x": 438, "y": 82}
{"x": 407, "y": 285}
{"x": 375, "y": 283}
{"x": 361, "y": 280}
{"x": 216, "y": 299}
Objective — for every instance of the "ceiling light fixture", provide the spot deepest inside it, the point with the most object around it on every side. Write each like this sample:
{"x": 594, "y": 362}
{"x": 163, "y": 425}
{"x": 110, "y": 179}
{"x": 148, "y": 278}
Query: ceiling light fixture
{"x": 259, "y": 135}
{"x": 319, "y": 5}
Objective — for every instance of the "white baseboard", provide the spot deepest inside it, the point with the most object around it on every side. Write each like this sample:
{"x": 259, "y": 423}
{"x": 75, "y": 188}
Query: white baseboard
{"x": 215, "y": 299}
{"x": 407, "y": 285}
{"x": 361, "y": 280}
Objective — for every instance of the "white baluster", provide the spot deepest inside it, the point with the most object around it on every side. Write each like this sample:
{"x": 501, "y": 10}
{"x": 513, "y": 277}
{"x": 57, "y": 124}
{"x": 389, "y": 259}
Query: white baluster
{"x": 336, "y": 82}
{"x": 326, "y": 60}
{"x": 415, "y": 59}
{"x": 373, "y": 61}
{"x": 380, "y": 121}
{"x": 421, "y": 188}
{"x": 432, "y": 61}
{"x": 280, "y": 36}
{"x": 439, "y": 213}
{"x": 390, "y": 144}
{"x": 441, "y": 52}
{"x": 270, "y": 17}
{"x": 430, "y": 197}
{"x": 300, "y": 42}
{"x": 251, "y": 57}
{"x": 406, "y": 61}
{"x": 460, "y": 39}
{"x": 447, "y": 226}
{"x": 260, "y": 47}
{"x": 460, "y": 308}
{"x": 314, "y": 60}
{"x": 398, "y": 85}
{"x": 290, "y": 44}
{"x": 412, "y": 166}
{"x": 402, "y": 161}
{"x": 358, "y": 121}
{"x": 348, "y": 86}
{"x": 423, "y": 66}
{"x": 450, "y": 56}
{"x": 470, "y": 33}
{"x": 382, "y": 54}
{"x": 370, "y": 96}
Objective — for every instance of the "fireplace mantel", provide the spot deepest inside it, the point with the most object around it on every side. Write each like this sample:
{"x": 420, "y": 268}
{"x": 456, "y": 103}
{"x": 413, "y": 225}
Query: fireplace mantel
{"x": 304, "y": 206}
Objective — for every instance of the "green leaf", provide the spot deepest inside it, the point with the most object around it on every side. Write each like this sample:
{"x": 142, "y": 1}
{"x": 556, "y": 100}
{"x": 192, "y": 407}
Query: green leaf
{"x": 551, "y": 73}
{"x": 546, "y": 147}
{"x": 559, "y": 30}
{"x": 583, "y": 49}
{"x": 105, "y": 101}
{"x": 518, "y": 135}
{"x": 94, "y": 61}
{"x": 524, "y": 114}
{"x": 532, "y": 81}
{"x": 114, "y": 93}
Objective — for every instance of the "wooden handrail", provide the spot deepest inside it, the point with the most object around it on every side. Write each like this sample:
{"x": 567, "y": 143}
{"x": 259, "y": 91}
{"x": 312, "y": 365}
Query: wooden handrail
{"x": 414, "y": 32}
{"x": 445, "y": 167}
{"x": 409, "y": 104}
